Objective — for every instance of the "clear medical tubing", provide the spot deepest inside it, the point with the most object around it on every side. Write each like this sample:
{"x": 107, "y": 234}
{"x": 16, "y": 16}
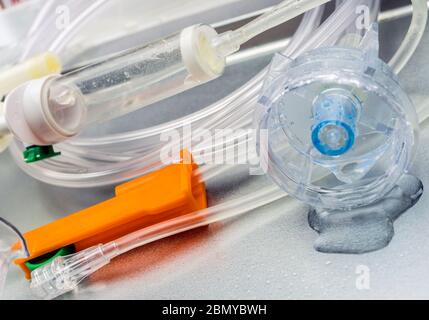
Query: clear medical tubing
{"x": 134, "y": 153}
{"x": 9, "y": 236}
{"x": 143, "y": 76}
{"x": 193, "y": 220}
{"x": 198, "y": 219}
{"x": 5, "y": 261}
{"x": 413, "y": 37}
{"x": 231, "y": 41}
{"x": 46, "y": 282}
{"x": 152, "y": 160}
{"x": 50, "y": 33}
{"x": 355, "y": 32}
{"x": 64, "y": 274}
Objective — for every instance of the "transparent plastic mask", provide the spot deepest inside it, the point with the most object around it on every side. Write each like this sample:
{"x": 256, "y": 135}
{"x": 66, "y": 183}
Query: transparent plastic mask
{"x": 12, "y": 246}
{"x": 341, "y": 131}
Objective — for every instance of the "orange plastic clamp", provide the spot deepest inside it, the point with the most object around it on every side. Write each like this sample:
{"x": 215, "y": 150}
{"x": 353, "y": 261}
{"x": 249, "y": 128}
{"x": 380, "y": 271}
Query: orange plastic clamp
{"x": 169, "y": 192}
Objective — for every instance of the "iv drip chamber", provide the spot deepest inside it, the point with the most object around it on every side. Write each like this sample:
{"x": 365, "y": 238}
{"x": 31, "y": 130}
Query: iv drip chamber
{"x": 52, "y": 109}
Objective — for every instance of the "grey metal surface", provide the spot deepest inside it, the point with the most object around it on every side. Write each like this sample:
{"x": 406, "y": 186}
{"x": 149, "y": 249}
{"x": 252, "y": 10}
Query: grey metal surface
{"x": 267, "y": 253}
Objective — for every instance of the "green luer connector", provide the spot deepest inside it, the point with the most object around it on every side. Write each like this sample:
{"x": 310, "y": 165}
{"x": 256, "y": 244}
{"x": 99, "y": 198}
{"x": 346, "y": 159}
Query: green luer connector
{"x": 47, "y": 258}
{"x": 39, "y": 153}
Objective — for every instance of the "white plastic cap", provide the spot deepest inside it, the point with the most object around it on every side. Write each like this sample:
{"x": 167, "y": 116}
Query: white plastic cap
{"x": 199, "y": 56}
{"x": 28, "y": 116}
{"x": 37, "y": 67}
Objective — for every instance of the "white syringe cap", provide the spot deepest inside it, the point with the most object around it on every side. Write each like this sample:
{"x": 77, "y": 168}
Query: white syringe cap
{"x": 201, "y": 59}
{"x": 34, "y": 120}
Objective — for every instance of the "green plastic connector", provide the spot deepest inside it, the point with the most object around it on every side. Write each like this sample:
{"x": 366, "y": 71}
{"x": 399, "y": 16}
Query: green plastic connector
{"x": 47, "y": 258}
{"x": 39, "y": 153}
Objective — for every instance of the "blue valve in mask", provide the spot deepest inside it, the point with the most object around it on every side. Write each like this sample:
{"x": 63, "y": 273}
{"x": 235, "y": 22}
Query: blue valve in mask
{"x": 335, "y": 113}
{"x": 341, "y": 130}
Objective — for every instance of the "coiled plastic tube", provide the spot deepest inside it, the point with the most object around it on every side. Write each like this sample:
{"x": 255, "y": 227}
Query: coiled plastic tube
{"x": 9, "y": 237}
{"x": 89, "y": 162}
{"x": 231, "y": 41}
{"x": 413, "y": 37}
{"x": 134, "y": 153}
{"x": 45, "y": 35}
{"x": 73, "y": 269}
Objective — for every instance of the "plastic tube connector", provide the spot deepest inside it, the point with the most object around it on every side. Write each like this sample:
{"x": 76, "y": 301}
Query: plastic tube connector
{"x": 335, "y": 113}
{"x": 202, "y": 60}
{"x": 63, "y": 274}
{"x": 32, "y": 119}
